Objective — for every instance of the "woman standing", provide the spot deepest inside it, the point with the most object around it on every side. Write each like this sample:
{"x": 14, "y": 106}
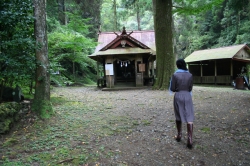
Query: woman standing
{"x": 182, "y": 83}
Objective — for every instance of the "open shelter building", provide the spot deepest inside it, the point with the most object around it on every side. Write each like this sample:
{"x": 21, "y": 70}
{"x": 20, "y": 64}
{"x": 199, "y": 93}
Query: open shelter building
{"x": 220, "y": 65}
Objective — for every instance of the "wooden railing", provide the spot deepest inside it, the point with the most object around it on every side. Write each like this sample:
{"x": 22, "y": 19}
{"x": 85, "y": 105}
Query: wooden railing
{"x": 208, "y": 79}
{"x": 196, "y": 79}
{"x": 225, "y": 79}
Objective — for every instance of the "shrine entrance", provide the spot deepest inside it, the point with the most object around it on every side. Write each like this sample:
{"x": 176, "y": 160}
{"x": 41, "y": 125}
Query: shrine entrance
{"x": 125, "y": 71}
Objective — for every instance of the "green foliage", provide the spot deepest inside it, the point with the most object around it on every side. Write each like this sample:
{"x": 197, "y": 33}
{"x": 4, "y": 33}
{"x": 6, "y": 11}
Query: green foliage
{"x": 16, "y": 42}
{"x": 91, "y": 10}
{"x": 193, "y": 7}
{"x": 8, "y": 109}
{"x": 9, "y": 142}
{"x": 69, "y": 50}
{"x": 8, "y": 115}
{"x": 78, "y": 24}
{"x": 126, "y": 15}
{"x": 220, "y": 24}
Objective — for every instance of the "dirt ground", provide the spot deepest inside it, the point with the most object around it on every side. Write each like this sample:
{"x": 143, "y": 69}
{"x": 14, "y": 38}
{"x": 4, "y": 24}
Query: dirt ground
{"x": 221, "y": 127}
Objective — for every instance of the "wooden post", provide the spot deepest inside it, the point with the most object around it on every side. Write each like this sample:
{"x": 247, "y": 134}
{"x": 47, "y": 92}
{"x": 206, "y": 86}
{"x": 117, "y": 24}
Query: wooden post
{"x": 109, "y": 81}
{"x": 97, "y": 63}
{"x": 215, "y": 68}
{"x": 201, "y": 71}
{"x": 231, "y": 67}
{"x": 215, "y": 71}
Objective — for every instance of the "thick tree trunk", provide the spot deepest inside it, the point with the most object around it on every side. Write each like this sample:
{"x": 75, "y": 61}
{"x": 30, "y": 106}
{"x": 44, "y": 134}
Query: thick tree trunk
{"x": 165, "y": 59}
{"x": 41, "y": 102}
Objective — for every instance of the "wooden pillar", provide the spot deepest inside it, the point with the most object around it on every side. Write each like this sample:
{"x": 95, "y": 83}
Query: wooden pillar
{"x": 97, "y": 64}
{"x": 201, "y": 71}
{"x": 231, "y": 68}
{"x": 215, "y": 68}
{"x": 97, "y": 74}
{"x": 139, "y": 74}
{"x": 109, "y": 75}
{"x": 215, "y": 71}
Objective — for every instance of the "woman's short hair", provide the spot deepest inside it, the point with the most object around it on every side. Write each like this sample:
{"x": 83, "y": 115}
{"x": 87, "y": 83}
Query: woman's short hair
{"x": 181, "y": 64}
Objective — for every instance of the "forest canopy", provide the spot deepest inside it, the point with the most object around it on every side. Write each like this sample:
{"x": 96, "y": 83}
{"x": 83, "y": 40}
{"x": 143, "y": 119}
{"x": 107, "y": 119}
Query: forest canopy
{"x": 73, "y": 27}
{"x": 198, "y": 24}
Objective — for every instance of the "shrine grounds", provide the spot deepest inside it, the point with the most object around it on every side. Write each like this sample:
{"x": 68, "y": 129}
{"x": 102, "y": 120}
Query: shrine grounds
{"x": 92, "y": 127}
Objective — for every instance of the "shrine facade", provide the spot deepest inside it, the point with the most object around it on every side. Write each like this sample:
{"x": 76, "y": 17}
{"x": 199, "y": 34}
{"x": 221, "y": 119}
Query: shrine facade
{"x": 125, "y": 59}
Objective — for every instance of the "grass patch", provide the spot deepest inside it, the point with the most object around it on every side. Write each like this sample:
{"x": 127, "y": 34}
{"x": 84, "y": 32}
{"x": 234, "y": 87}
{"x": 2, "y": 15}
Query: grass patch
{"x": 10, "y": 142}
{"x": 146, "y": 122}
{"x": 72, "y": 133}
{"x": 57, "y": 100}
{"x": 135, "y": 122}
{"x": 206, "y": 129}
{"x": 200, "y": 147}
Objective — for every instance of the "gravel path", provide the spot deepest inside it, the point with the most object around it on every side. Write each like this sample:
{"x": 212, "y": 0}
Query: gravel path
{"x": 92, "y": 127}
{"x": 221, "y": 128}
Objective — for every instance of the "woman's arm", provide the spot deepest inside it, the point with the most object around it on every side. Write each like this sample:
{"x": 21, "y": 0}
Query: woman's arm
{"x": 173, "y": 83}
{"x": 191, "y": 84}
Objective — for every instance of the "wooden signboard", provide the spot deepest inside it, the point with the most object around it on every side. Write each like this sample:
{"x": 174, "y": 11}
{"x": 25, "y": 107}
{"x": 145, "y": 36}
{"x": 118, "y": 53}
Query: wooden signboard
{"x": 109, "y": 69}
{"x": 141, "y": 67}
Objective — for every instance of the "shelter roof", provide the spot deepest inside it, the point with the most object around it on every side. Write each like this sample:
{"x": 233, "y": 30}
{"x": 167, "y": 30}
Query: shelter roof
{"x": 216, "y": 53}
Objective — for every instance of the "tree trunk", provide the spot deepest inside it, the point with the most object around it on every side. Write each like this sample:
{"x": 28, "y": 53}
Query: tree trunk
{"x": 138, "y": 15}
{"x": 115, "y": 16}
{"x": 41, "y": 102}
{"x": 165, "y": 59}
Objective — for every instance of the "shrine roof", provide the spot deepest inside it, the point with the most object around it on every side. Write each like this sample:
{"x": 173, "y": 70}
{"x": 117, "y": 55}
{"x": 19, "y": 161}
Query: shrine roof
{"x": 144, "y": 39}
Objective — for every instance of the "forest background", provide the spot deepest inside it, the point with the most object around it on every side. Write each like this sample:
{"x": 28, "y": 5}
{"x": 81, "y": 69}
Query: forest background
{"x": 73, "y": 27}
{"x": 82, "y": 117}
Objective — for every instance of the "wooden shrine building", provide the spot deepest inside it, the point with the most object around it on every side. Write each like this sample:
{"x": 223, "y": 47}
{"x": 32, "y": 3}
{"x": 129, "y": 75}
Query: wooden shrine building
{"x": 219, "y": 65}
{"x": 127, "y": 58}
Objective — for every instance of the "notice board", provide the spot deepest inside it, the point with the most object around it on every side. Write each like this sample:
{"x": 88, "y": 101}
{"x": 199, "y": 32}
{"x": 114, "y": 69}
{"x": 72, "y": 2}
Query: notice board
{"x": 109, "y": 70}
{"x": 142, "y": 67}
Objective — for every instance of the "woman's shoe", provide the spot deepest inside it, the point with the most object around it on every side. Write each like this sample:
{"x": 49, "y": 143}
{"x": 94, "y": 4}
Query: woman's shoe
{"x": 190, "y": 135}
{"x": 179, "y": 134}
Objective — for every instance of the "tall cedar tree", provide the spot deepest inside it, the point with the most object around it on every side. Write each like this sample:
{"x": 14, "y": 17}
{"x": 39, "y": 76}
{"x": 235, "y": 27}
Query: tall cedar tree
{"x": 41, "y": 102}
{"x": 165, "y": 59}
